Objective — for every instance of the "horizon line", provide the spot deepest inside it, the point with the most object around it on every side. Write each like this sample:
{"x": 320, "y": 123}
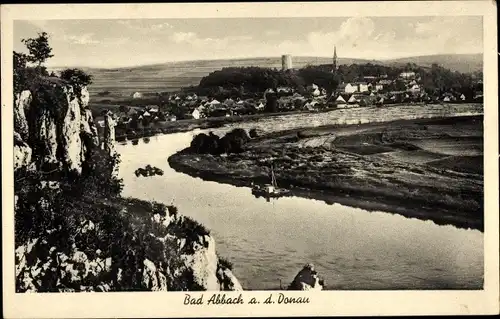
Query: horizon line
{"x": 255, "y": 57}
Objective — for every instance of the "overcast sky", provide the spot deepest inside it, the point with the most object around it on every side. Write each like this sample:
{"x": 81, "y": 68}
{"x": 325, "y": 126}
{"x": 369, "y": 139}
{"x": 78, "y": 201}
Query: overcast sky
{"x": 115, "y": 43}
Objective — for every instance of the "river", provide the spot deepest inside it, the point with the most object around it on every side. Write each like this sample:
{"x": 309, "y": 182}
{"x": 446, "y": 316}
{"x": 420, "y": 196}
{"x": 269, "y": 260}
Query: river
{"x": 269, "y": 242}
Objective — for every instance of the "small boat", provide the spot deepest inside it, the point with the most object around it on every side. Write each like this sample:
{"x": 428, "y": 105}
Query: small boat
{"x": 269, "y": 190}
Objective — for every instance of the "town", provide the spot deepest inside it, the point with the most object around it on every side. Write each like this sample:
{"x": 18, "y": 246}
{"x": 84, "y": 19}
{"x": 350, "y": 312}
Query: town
{"x": 328, "y": 88}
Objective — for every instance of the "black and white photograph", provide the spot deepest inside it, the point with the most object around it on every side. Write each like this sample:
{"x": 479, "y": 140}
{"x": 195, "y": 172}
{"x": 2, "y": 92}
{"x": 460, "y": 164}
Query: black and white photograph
{"x": 207, "y": 157}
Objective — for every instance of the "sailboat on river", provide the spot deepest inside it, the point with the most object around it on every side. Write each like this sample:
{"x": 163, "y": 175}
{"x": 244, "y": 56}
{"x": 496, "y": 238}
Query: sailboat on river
{"x": 269, "y": 190}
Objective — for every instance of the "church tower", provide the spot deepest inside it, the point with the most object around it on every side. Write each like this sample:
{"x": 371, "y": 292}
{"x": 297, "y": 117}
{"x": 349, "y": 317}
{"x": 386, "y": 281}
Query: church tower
{"x": 334, "y": 66}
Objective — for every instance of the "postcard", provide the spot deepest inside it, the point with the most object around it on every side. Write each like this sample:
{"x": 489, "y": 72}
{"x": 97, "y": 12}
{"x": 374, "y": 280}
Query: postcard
{"x": 264, "y": 159}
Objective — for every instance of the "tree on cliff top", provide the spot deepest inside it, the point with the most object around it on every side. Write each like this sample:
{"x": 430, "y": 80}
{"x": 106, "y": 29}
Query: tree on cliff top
{"x": 38, "y": 48}
{"x": 76, "y": 77}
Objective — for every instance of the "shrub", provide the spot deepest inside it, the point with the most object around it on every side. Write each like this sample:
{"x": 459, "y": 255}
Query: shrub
{"x": 225, "y": 263}
{"x": 203, "y": 143}
{"x": 253, "y": 133}
{"x": 99, "y": 176}
{"x": 76, "y": 77}
{"x": 233, "y": 141}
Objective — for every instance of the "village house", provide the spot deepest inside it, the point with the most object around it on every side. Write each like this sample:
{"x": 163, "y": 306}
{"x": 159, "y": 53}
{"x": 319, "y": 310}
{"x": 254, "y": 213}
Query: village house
{"x": 214, "y": 102}
{"x": 314, "y": 90}
{"x": 363, "y": 87}
{"x": 380, "y": 100}
{"x": 284, "y": 89}
{"x": 385, "y": 82}
{"x": 152, "y": 108}
{"x": 137, "y": 95}
{"x": 228, "y": 102}
{"x": 340, "y": 99}
{"x": 415, "y": 88}
{"x": 347, "y": 88}
{"x": 352, "y": 99}
{"x": 407, "y": 75}
{"x": 310, "y": 105}
{"x": 196, "y": 114}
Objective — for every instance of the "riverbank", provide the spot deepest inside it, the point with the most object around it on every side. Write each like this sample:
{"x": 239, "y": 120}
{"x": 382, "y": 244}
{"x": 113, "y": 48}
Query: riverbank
{"x": 187, "y": 125}
{"x": 430, "y": 169}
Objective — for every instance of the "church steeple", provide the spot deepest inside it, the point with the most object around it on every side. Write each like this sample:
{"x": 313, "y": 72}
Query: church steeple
{"x": 334, "y": 66}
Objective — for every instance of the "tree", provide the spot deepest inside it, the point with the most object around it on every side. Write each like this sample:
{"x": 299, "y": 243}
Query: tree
{"x": 76, "y": 77}
{"x": 124, "y": 108}
{"x": 20, "y": 60}
{"x": 38, "y": 48}
{"x": 271, "y": 103}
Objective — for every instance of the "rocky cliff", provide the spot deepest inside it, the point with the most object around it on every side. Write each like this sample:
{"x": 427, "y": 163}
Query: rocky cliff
{"x": 87, "y": 241}
{"x": 74, "y": 232}
{"x": 159, "y": 259}
{"x": 54, "y": 127}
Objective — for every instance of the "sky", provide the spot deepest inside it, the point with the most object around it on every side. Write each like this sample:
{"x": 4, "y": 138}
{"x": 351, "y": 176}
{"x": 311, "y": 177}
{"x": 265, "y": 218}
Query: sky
{"x": 118, "y": 43}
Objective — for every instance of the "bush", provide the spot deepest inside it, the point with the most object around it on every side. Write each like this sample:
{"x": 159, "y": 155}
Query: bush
{"x": 99, "y": 177}
{"x": 232, "y": 142}
{"x": 189, "y": 229}
{"x": 225, "y": 263}
{"x": 76, "y": 77}
{"x": 253, "y": 133}
{"x": 205, "y": 144}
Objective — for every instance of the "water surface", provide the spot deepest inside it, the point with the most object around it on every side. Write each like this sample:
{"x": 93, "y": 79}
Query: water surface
{"x": 269, "y": 242}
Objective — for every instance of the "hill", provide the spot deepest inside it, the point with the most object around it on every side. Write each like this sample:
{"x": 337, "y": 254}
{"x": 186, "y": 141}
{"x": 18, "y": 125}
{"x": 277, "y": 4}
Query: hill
{"x": 172, "y": 76}
{"x": 465, "y": 63}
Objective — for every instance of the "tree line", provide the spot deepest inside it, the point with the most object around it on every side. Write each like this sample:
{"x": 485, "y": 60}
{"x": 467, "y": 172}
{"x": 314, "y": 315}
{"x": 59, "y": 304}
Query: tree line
{"x": 247, "y": 81}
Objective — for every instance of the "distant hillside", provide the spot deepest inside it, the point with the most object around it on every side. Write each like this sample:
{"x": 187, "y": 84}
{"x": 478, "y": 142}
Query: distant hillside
{"x": 464, "y": 63}
{"x": 175, "y": 75}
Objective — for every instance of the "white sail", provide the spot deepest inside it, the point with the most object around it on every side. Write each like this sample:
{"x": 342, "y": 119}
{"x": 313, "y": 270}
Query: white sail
{"x": 273, "y": 178}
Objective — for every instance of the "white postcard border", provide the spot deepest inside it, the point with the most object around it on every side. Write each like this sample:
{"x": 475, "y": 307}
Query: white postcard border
{"x": 170, "y": 304}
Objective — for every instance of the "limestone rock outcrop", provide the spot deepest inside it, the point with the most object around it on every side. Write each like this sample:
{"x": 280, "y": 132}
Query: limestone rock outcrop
{"x": 202, "y": 263}
{"x": 44, "y": 264}
{"x": 21, "y": 107}
{"x": 22, "y": 152}
{"x": 307, "y": 279}
{"x": 227, "y": 280}
{"x": 55, "y": 123}
{"x": 54, "y": 130}
{"x": 109, "y": 133}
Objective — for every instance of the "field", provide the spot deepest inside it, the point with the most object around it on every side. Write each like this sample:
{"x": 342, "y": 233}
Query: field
{"x": 377, "y": 166}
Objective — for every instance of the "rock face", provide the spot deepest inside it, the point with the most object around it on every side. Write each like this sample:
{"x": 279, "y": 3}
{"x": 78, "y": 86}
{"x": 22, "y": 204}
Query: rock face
{"x": 228, "y": 282}
{"x": 109, "y": 133}
{"x": 55, "y": 123}
{"x": 202, "y": 263}
{"x": 22, "y": 152}
{"x": 21, "y": 107}
{"x": 307, "y": 279}
{"x": 44, "y": 264}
